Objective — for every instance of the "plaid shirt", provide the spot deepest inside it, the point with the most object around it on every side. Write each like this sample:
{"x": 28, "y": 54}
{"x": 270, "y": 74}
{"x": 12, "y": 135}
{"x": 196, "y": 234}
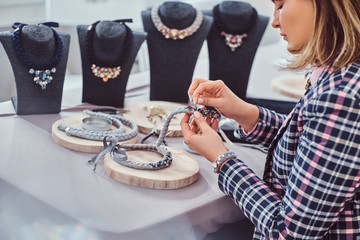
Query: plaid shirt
{"x": 311, "y": 184}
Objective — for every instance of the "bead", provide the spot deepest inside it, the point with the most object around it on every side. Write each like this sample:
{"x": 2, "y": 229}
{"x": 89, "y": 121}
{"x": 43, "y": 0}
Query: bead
{"x": 221, "y": 159}
{"x": 105, "y": 73}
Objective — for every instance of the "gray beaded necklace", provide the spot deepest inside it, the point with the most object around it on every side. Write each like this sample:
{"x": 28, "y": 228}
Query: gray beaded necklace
{"x": 118, "y": 151}
{"x": 116, "y": 120}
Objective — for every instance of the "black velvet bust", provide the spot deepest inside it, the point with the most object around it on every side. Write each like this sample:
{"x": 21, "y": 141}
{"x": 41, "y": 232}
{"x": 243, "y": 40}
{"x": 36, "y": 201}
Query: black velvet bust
{"x": 109, "y": 42}
{"x": 233, "y": 67}
{"x": 39, "y": 44}
{"x": 172, "y": 62}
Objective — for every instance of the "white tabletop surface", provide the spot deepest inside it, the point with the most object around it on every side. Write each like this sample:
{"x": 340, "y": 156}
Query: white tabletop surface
{"x": 50, "y": 192}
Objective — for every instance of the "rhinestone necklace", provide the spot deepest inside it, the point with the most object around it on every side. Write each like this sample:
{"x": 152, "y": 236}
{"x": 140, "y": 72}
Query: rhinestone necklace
{"x": 42, "y": 71}
{"x": 232, "y": 40}
{"x": 102, "y": 69}
{"x": 175, "y": 33}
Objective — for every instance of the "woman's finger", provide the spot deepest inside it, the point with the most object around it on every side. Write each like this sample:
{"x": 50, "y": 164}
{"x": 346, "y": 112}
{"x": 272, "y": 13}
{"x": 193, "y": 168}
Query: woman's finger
{"x": 194, "y": 127}
{"x": 200, "y": 121}
{"x": 214, "y": 124}
{"x": 208, "y": 121}
{"x": 194, "y": 84}
{"x": 206, "y": 91}
{"x": 185, "y": 127}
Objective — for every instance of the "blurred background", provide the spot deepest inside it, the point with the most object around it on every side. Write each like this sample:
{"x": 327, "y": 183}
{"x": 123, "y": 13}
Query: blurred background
{"x": 70, "y": 13}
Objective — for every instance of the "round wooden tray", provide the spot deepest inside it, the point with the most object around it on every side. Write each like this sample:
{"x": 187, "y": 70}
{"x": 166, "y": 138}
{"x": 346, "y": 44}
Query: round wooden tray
{"x": 183, "y": 171}
{"x": 291, "y": 86}
{"x": 139, "y": 111}
{"x": 75, "y": 143}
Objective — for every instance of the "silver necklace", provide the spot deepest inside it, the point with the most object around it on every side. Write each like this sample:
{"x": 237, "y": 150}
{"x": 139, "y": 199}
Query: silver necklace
{"x": 118, "y": 151}
{"x": 119, "y": 134}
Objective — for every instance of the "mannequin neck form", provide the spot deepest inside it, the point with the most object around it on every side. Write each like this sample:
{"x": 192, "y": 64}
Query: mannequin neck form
{"x": 177, "y": 15}
{"x": 38, "y": 41}
{"x": 234, "y": 17}
{"x": 107, "y": 42}
{"x": 109, "y": 36}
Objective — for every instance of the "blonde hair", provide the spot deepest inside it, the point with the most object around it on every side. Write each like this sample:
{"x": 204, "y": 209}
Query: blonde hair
{"x": 335, "y": 41}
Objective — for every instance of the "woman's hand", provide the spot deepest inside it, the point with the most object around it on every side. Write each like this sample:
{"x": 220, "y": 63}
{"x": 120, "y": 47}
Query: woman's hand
{"x": 201, "y": 137}
{"x": 215, "y": 94}
{"x": 218, "y": 95}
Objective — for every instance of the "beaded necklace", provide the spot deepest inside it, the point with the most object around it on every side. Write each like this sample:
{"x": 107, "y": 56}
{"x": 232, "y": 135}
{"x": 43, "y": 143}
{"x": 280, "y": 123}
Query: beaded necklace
{"x": 175, "y": 33}
{"x": 118, "y": 151}
{"x": 42, "y": 71}
{"x": 99, "y": 135}
{"x": 102, "y": 69}
{"x": 232, "y": 39}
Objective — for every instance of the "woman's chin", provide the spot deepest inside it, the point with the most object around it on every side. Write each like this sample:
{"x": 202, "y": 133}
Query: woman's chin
{"x": 293, "y": 50}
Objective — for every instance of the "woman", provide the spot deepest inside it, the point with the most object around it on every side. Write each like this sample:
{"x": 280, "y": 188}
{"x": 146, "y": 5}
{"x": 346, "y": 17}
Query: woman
{"x": 310, "y": 188}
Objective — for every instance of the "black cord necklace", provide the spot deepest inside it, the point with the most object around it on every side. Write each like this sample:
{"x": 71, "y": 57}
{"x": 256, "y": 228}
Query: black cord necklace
{"x": 103, "y": 69}
{"x": 42, "y": 71}
{"x": 232, "y": 39}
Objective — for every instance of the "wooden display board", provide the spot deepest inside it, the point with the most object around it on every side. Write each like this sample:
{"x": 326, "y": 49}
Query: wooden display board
{"x": 139, "y": 112}
{"x": 183, "y": 171}
{"x": 291, "y": 86}
{"x": 79, "y": 144}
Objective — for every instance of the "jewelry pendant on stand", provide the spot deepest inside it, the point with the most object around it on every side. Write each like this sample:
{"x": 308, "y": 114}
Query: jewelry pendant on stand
{"x": 42, "y": 77}
{"x": 106, "y": 73}
{"x": 233, "y": 40}
{"x": 43, "y": 72}
{"x": 108, "y": 70}
{"x": 172, "y": 33}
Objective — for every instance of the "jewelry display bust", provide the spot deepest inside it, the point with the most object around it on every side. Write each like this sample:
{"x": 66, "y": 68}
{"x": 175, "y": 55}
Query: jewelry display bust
{"x": 39, "y": 46}
{"x": 113, "y": 43}
{"x": 234, "y": 66}
{"x": 172, "y": 55}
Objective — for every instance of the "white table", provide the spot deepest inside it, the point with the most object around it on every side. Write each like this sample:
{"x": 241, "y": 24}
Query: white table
{"x": 50, "y": 192}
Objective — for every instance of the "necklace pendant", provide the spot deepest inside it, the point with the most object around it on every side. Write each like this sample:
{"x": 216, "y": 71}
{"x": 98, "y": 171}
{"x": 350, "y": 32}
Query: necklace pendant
{"x": 173, "y": 33}
{"x": 233, "y": 40}
{"x": 42, "y": 77}
{"x": 106, "y": 73}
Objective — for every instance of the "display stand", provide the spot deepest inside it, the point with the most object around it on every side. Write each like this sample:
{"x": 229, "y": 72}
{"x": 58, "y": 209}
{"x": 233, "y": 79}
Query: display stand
{"x": 172, "y": 62}
{"x": 39, "y": 44}
{"x": 233, "y": 67}
{"x": 108, "y": 44}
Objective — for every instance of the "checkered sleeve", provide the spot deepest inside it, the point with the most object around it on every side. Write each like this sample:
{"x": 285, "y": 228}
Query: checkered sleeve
{"x": 266, "y": 128}
{"x": 323, "y": 179}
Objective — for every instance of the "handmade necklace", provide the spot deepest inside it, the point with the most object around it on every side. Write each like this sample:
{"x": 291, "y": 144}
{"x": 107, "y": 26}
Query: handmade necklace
{"x": 175, "y": 33}
{"x": 42, "y": 71}
{"x": 118, "y": 151}
{"x": 119, "y": 134}
{"x": 102, "y": 69}
{"x": 232, "y": 40}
